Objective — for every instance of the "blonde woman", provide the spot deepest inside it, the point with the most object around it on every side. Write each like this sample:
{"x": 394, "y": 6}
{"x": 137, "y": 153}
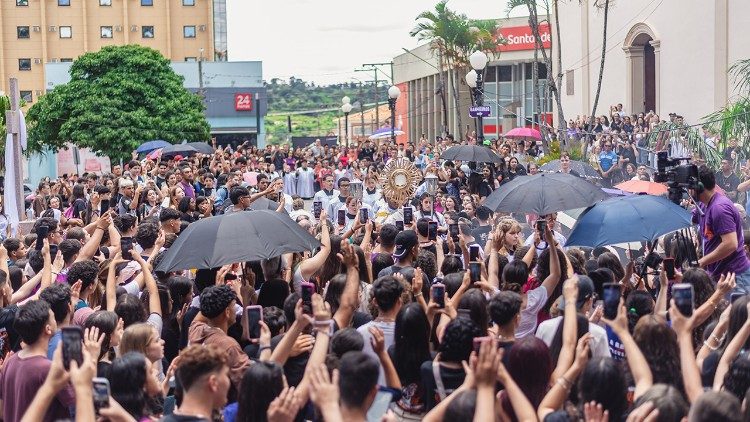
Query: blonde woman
{"x": 144, "y": 339}
{"x": 509, "y": 232}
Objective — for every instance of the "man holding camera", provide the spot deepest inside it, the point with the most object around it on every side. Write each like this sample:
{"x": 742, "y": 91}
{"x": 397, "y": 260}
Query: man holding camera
{"x": 721, "y": 232}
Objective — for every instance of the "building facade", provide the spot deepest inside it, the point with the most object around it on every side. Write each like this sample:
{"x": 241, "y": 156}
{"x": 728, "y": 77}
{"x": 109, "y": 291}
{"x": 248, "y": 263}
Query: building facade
{"x": 669, "y": 56}
{"x": 34, "y": 33}
{"x": 426, "y": 109}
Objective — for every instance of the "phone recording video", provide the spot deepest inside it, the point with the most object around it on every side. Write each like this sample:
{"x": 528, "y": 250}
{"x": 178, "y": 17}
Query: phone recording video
{"x": 72, "y": 345}
{"x": 400, "y": 225}
{"x": 432, "y": 228}
{"x": 437, "y": 292}
{"x": 453, "y": 230}
{"x": 682, "y": 293}
{"x": 307, "y": 290}
{"x": 611, "y": 292}
{"x": 363, "y": 215}
{"x": 475, "y": 271}
{"x": 408, "y": 216}
{"x": 317, "y": 208}
{"x": 341, "y": 217}
{"x": 254, "y": 317}
{"x": 669, "y": 267}
{"x": 41, "y": 233}
{"x": 474, "y": 253}
{"x": 101, "y": 393}
{"x": 126, "y": 243}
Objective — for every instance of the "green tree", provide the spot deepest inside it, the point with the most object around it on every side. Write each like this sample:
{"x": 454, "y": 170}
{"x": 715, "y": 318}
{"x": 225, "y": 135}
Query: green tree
{"x": 454, "y": 37}
{"x": 117, "y": 98}
{"x": 733, "y": 120}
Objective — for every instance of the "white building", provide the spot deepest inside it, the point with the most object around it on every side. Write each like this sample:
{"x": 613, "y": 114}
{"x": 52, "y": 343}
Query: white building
{"x": 666, "y": 55}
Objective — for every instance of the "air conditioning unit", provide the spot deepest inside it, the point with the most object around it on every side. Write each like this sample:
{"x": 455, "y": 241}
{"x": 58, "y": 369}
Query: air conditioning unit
{"x": 118, "y": 28}
{"x": 36, "y": 28}
{"x": 134, "y": 28}
{"x": 202, "y": 28}
{"x": 37, "y": 61}
{"x": 53, "y": 29}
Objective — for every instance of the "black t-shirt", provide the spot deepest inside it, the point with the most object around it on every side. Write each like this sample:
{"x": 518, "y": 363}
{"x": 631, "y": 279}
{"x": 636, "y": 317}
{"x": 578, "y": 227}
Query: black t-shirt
{"x": 481, "y": 234}
{"x": 79, "y": 208}
{"x": 452, "y": 378}
{"x": 9, "y": 339}
{"x": 102, "y": 369}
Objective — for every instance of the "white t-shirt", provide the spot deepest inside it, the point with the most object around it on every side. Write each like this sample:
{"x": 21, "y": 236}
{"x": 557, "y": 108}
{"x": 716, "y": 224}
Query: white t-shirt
{"x": 535, "y": 300}
{"x": 389, "y": 330}
{"x": 599, "y": 347}
{"x": 559, "y": 238}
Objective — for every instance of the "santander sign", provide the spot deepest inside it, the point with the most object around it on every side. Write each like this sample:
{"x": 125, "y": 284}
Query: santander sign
{"x": 522, "y": 38}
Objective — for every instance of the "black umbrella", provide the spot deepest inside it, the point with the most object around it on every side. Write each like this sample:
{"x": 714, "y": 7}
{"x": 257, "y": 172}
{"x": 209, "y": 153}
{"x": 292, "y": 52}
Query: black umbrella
{"x": 544, "y": 193}
{"x": 236, "y": 237}
{"x": 179, "y": 149}
{"x": 202, "y": 147}
{"x": 264, "y": 203}
{"x": 476, "y": 153}
{"x": 585, "y": 170}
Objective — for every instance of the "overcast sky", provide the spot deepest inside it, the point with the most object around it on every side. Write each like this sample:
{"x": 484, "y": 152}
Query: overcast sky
{"x": 325, "y": 40}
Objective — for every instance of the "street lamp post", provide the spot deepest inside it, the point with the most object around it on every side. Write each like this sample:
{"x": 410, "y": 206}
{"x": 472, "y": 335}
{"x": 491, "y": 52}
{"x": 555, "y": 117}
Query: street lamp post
{"x": 478, "y": 62}
{"x": 393, "y": 94}
{"x": 346, "y": 108}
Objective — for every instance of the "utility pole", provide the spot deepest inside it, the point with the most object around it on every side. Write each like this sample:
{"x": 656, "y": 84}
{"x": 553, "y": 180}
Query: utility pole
{"x": 201, "y": 90}
{"x": 12, "y": 127}
{"x": 361, "y": 111}
{"x": 375, "y": 69}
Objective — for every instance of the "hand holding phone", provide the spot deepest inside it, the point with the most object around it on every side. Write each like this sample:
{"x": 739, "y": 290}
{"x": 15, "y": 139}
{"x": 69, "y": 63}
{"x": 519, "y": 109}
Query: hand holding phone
{"x": 41, "y": 233}
{"x": 101, "y": 393}
{"x": 307, "y": 290}
{"x": 126, "y": 244}
{"x": 72, "y": 345}
{"x": 682, "y": 293}
{"x": 669, "y": 268}
{"x": 254, "y": 317}
{"x": 437, "y": 292}
{"x": 341, "y": 219}
{"x": 317, "y": 208}
{"x": 611, "y": 292}
{"x": 432, "y": 228}
{"x": 475, "y": 271}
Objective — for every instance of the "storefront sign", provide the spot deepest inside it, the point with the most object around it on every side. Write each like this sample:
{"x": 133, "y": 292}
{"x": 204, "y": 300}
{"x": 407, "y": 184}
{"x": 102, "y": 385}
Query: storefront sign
{"x": 522, "y": 38}
{"x": 243, "y": 102}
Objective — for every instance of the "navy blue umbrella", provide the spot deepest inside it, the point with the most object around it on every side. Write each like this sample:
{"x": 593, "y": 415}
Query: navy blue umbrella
{"x": 149, "y": 146}
{"x": 636, "y": 218}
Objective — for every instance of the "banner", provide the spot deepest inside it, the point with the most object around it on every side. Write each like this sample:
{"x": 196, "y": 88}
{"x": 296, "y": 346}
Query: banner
{"x": 520, "y": 38}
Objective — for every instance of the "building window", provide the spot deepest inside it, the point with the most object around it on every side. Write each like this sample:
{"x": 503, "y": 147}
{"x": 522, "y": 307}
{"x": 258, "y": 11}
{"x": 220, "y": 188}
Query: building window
{"x": 66, "y": 60}
{"x": 188, "y": 31}
{"x": 66, "y": 32}
{"x": 105, "y": 2}
{"x": 63, "y": 2}
{"x": 26, "y": 96}
{"x": 188, "y": 2}
{"x": 505, "y": 73}
{"x": 147, "y": 2}
{"x": 147, "y": 31}
{"x": 106, "y": 31}
{"x": 24, "y": 64}
{"x": 23, "y": 31}
{"x": 191, "y": 59}
{"x": 22, "y": 2}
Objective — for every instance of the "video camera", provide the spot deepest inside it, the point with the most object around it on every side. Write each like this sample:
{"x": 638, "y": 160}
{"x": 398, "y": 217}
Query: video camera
{"x": 678, "y": 177}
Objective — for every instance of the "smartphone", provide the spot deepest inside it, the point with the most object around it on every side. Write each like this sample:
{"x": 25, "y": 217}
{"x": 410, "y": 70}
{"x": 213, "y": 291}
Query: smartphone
{"x": 474, "y": 253}
{"x": 41, "y": 233}
{"x": 541, "y": 225}
{"x": 408, "y": 216}
{"x": 611, "y": 298}
{"x": 400, "y": 225}
{"x": 254, "y": 317}
{"x": 53, "y": 251}
{"x": 342, "y": 217}
{"x": 126, "y": 243}
{"x": 72, "y": 345}
{"x": 317, "y": 208}
{"x": 363, "y": 215}
{"x": 379, "y": 406}
{"x": 103, "y": 207}
{"x": 669, "y": 267}
{"x": 735, "y": 296}
{"x": 475, "y": 271}
{"x": 307, "y": 290}
{"x": 432, "y": 228}
{"x": 437, "y": 292}
{"x": 453, "y": 230}
{"x": 101, "y": 393}
{"x": 682, "y": 293}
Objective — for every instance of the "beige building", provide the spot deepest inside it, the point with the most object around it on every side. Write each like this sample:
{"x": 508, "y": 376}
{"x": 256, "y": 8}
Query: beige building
{"x": 35, "y": 32}
{"x": 667, "y": 56}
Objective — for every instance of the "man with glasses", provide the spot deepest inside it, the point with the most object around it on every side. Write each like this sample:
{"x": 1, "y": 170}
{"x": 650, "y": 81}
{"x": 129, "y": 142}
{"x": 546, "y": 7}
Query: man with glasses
{"x": 537, "y": 238}
{"x": 327, "y": 193}
{"x": 338, "y": 201}
{"x": 608, "y": 163}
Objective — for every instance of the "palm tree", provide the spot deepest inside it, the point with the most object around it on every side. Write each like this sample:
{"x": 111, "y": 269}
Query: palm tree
{"x": 597, "y": 3}
{"x": 733, "y": 120}
{"x": 454, "y": 37}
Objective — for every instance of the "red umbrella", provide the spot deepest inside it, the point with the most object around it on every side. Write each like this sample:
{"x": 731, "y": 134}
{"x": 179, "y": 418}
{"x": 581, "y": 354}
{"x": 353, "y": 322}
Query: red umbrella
{"x": 523, "y": 132}
{"x": 643, "y": 186}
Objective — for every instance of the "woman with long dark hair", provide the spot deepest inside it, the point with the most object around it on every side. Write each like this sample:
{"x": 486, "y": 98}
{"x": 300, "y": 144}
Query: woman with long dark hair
{"x": 261, "y": 384}
{"x": 411, "y": 348}
{"x": 109, "y": 325}
{"x": 133, "y": 384}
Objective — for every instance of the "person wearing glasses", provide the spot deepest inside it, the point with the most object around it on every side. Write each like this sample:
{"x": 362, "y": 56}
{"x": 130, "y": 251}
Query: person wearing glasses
{"x": 608, "y": 162}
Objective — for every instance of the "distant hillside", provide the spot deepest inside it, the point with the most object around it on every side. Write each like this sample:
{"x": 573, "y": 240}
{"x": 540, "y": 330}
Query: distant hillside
{"x": 296, "y": 95}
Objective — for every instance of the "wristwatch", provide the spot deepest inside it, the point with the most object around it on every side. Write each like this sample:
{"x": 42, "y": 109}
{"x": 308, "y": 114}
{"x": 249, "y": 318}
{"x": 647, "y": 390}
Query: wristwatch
{"x": 326, "y": 327}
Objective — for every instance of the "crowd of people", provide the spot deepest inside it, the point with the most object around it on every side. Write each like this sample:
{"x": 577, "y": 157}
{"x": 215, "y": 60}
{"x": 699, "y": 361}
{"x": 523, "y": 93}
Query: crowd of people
{"x": 434, "y": 308}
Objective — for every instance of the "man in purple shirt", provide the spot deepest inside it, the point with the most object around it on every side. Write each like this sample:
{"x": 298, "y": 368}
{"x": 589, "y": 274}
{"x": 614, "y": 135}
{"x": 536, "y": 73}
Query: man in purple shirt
{"x": 187, "y": 182}
{"x": 721, "y": 231}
